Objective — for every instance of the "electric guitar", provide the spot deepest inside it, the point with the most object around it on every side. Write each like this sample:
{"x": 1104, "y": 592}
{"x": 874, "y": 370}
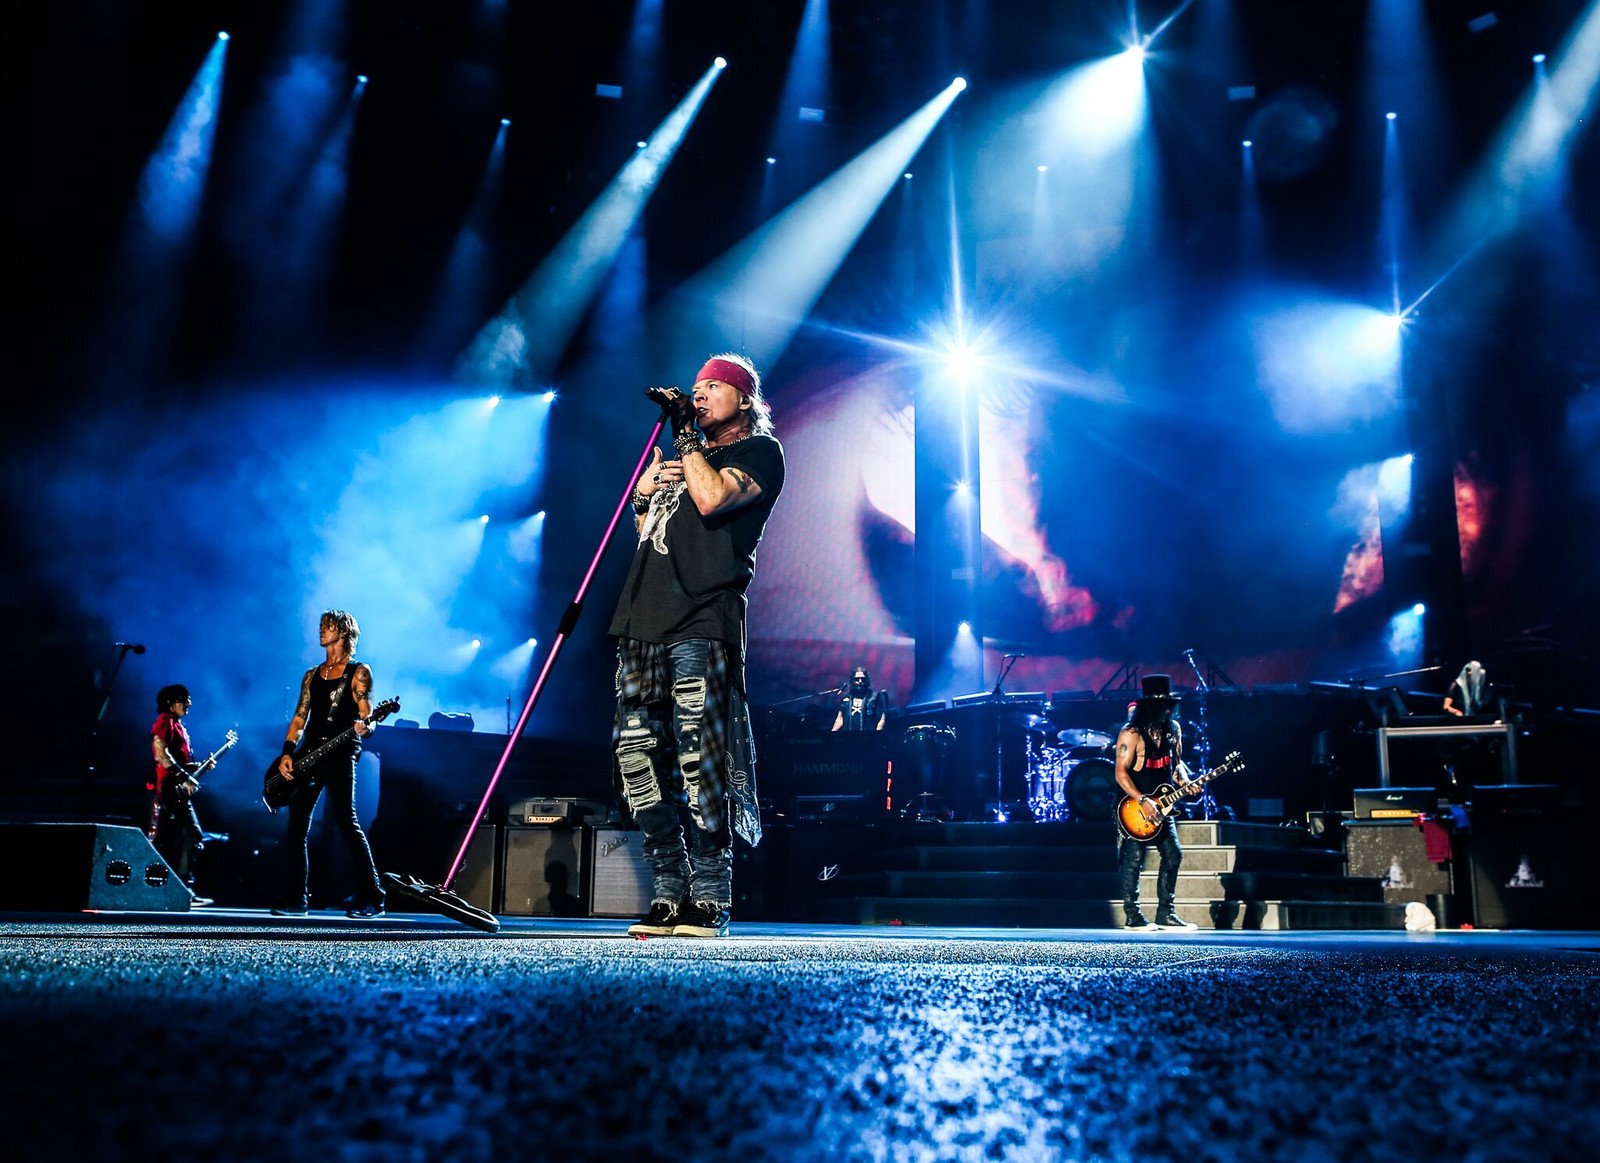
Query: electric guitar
{"x": 277, "y": 791}
{"x": 184, "y": 794}
{"x": 1130, "y": 816}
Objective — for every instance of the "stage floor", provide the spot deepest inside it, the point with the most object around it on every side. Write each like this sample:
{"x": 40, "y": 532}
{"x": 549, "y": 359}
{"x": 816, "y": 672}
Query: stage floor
{"x": 232, "y": 1034}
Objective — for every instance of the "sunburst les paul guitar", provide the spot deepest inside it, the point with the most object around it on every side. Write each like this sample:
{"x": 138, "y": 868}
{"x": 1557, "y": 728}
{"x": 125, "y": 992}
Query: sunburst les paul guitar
{"x": 277, "y": 791}
{"x": 1131, "y": 818}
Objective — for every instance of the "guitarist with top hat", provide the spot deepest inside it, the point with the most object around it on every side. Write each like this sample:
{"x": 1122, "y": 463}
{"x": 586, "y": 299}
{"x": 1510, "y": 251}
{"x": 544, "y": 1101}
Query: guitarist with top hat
{"x": 1149, "y": 754}
{"x": 335, "y": 700}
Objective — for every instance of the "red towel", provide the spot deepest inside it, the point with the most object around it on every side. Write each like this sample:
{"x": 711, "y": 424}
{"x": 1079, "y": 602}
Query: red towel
{"x": 1435, "y": 838}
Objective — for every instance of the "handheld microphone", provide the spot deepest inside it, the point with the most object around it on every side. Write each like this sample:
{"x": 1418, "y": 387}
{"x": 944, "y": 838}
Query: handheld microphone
{"x": 133, "y": 646}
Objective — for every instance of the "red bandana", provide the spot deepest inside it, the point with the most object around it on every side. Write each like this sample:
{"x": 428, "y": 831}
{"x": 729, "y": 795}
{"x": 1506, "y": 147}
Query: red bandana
{"x": 729, "y": 373}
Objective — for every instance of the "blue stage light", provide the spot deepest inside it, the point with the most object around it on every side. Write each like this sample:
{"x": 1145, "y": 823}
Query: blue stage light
{"x": 721, "y": 62}
{"x": 1389, "y": 116}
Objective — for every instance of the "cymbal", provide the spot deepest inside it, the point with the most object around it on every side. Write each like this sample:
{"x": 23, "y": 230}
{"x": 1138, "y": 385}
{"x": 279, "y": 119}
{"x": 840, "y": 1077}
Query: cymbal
{"x": 1083, "y": 737}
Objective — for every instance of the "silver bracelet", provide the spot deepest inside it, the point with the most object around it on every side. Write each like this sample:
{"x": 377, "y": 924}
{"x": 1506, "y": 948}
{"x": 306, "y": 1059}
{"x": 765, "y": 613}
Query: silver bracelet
{"x": 641, "y": 502}
{"x": 687, "y": 442}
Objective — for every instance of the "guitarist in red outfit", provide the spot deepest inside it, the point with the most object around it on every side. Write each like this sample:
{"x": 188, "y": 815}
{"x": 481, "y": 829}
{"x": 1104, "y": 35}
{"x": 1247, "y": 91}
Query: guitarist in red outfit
{"x": 1150, "y": 753}
{"x": 174, "y": 825}
{"x": 335, "y": 697}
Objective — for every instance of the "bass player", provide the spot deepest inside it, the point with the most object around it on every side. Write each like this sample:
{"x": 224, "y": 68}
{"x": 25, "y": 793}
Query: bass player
{"x": 335, "y": 697}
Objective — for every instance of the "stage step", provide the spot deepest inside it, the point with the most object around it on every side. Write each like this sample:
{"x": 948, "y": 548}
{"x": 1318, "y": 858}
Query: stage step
{"x": 1086, "y": 913}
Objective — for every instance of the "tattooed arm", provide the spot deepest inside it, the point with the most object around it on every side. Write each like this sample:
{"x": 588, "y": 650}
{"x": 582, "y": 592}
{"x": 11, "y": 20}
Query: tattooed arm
{"x": 361, "y": 689}
{"x": 717, "y": 492}
{"x": 302, "y": 711}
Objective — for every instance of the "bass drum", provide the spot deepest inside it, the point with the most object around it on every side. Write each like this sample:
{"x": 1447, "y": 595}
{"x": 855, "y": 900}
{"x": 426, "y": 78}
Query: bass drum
{"x": 1092, "y": 792}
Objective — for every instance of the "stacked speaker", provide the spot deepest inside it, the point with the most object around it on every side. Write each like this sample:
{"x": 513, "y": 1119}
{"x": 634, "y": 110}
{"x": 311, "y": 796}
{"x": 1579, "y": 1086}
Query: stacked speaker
{"x": 556, "y": 871}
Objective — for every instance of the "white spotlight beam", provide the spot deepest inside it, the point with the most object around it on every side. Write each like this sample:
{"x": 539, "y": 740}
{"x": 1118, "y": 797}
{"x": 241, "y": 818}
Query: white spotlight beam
{"x": 528, "y": 336}
{"x": 1531, "y": 151}
{"x": 756, "y": 296}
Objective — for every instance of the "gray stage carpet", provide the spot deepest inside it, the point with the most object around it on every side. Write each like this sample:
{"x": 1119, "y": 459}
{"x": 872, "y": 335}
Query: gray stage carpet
{"x": 230, "y": 1035}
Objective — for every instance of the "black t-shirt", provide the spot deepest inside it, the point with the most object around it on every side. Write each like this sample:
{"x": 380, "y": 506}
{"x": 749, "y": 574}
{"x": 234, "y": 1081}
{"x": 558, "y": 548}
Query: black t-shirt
{"x": 689, "y": 572}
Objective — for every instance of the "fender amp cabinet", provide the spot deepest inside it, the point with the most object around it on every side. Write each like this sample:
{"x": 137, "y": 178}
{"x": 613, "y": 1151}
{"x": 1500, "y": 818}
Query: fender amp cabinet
{"x": 620, "y": 884}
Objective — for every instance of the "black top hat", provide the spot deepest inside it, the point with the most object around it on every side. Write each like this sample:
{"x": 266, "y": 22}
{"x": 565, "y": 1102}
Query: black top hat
{"x": 1157, "y": 687}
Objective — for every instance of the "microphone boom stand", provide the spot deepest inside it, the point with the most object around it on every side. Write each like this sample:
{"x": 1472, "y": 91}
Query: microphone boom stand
{"x": 440, "y": 898}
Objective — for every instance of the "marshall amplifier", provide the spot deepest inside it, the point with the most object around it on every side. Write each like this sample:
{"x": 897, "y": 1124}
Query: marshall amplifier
{"x": 1395, "y": 803}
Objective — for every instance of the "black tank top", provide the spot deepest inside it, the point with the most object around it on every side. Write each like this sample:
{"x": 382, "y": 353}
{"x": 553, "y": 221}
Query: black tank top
{"x": 333, "y": 706}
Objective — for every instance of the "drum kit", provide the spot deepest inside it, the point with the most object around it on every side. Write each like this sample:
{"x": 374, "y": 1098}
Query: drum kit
{"x": 1070, "y": 772}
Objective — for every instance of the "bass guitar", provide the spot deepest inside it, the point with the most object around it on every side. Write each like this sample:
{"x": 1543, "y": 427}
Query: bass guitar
{"x": 1130, "y": 816}
{"x": 183, "y": 791}
{"x": 277, "y": 791}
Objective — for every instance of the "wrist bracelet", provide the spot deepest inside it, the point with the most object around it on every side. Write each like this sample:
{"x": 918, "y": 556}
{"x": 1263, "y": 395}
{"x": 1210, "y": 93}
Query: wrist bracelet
{"x": 687, "y": 442}
{"x": 288, "y": 748}
{"x": 641, "y": 502}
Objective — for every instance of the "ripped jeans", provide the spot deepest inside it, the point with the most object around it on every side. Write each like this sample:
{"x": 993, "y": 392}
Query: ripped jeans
{"x": 661, "y": 792}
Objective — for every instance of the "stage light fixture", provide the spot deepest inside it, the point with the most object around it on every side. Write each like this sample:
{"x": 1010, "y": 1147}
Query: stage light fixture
{"x": 483, "y": 519}
{"x": 1388, "y": 116}
{"x": 641, "y": 145}
{"x": 772, "y": 161}
{"x": 1044, "y": 169}
{"x": 222, "y": 36}
{"x": 1538, "y": 58}
{"x": 907, "y": 175}
{"x": 361, "y": 78}
{"x": 1419, "y": 609}
{"x": 959, "y": 84}
{"x": 721, "y": 62}
{"x": 505, "y": 121}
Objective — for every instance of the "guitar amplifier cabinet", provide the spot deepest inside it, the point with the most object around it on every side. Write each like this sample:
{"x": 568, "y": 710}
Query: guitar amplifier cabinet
{"x": 1524, "y": 857}
{"x": 478, "y": 882}
{"x": 620, "y": 884}
{"x": 1396, "y": 853}
{"x": 542, "y": 872}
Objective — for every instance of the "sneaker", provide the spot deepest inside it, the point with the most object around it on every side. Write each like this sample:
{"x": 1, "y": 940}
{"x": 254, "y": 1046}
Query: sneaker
{"x": 702, "y": 919}
{"x": 1167, "y": 919}
{"x": 658, "y": 922}
{"x": 365, "y": 912}
{"x": 289, "y": 911}
{"x": 1137, "y": 920}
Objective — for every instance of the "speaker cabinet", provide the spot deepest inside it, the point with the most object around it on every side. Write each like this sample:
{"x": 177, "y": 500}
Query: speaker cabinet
{"x": 542, "y": 872}
{"x": 71, "y": 867}
{"x": 620, "y": 884}
{"x": 1396, "y": 853}
{"x": 1524, "y": 859}
{"x": 478, "y": 882}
